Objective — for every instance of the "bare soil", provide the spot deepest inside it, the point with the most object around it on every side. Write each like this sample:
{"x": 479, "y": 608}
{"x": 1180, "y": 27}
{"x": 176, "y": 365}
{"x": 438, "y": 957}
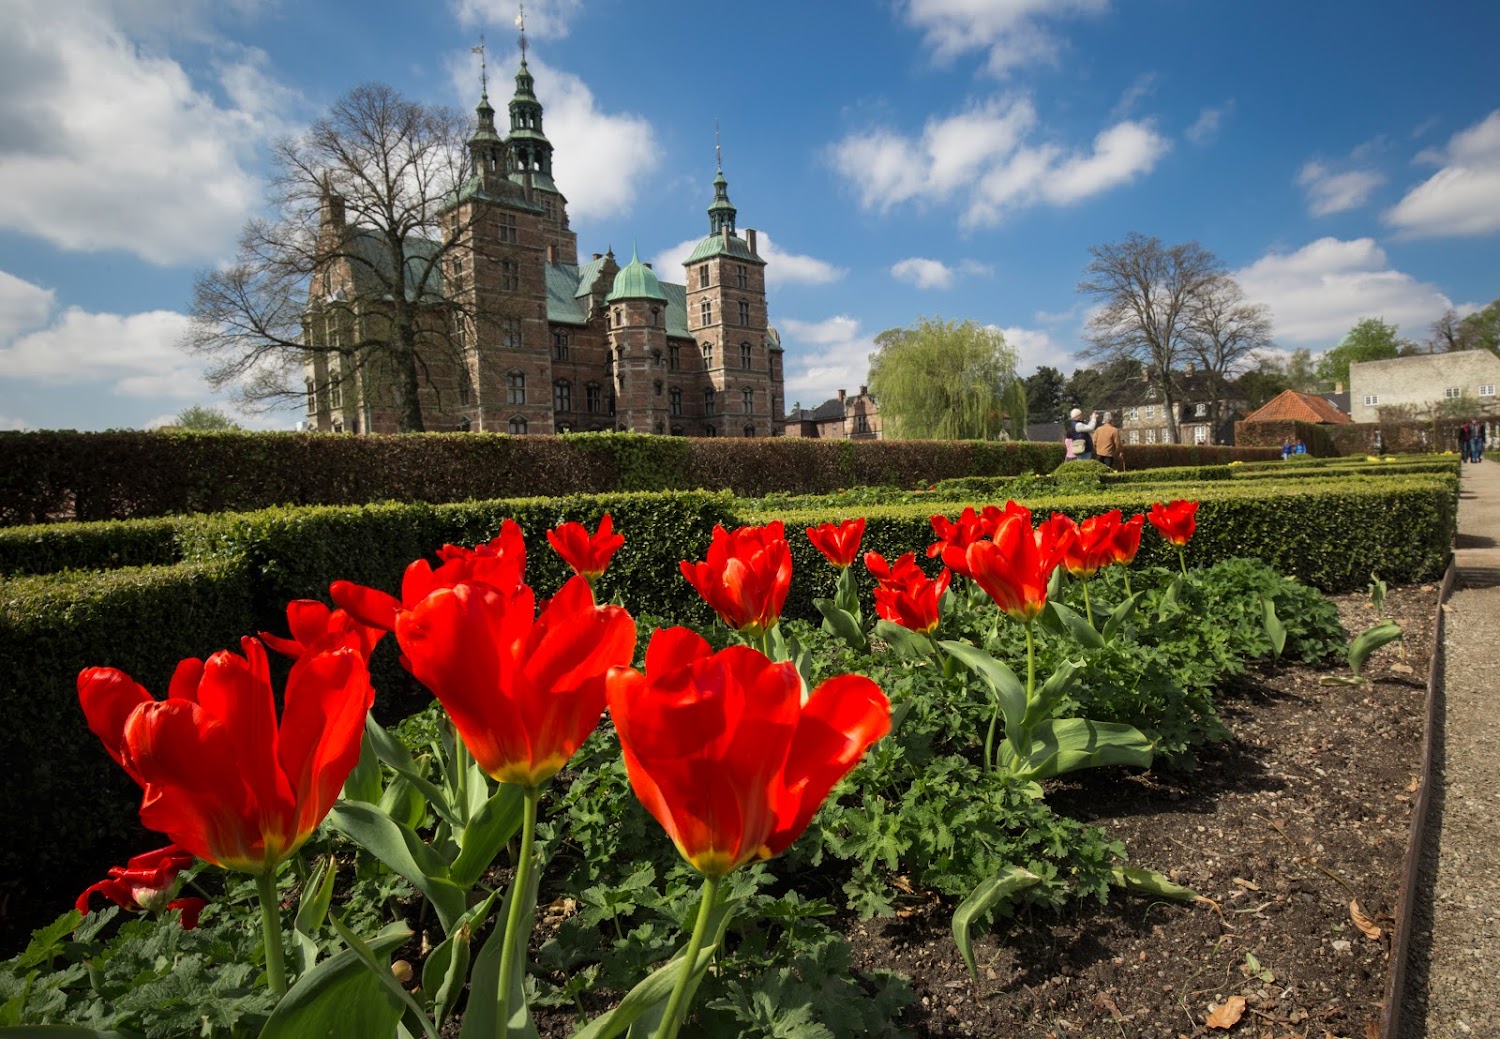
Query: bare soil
{"x": 1304, "y": 812}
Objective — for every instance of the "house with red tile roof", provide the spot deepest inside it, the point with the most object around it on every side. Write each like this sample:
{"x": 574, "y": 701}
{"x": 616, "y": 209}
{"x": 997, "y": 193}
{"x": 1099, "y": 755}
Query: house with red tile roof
{"x": 1292, "y": 406}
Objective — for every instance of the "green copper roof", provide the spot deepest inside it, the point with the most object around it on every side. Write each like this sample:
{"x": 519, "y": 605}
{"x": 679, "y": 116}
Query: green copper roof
{"x": 714, "y": 245}
{"x": 636, "y": 281}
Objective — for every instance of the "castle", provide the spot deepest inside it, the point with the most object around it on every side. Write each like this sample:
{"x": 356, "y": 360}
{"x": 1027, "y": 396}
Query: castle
{"x": 529, "y": 340}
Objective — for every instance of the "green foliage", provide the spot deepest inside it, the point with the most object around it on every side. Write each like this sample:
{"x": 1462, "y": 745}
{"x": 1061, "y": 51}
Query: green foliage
{"x": 49, "y": 547}
{"x": 943, "y": 380}
{"x": 203, "y": 418}
{"x": 1369, "y": 340}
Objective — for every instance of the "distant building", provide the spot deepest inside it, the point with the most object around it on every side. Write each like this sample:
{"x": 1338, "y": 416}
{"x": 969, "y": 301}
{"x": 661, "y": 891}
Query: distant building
{"x": 1141, "y": 413}
{"x": 1424, "y": 383}
{"x": 1290, "y": 405}
{"x": 564, "y": 345}
{"x": 844, "y": 417}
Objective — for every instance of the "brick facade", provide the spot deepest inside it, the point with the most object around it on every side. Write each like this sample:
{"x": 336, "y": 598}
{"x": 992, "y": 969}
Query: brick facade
{"x": 521, "y": 337}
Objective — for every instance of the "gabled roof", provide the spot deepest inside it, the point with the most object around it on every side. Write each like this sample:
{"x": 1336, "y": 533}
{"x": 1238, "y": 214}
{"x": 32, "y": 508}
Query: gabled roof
{"x": 370, "y": 266}
{"x": 1289, "y": 405}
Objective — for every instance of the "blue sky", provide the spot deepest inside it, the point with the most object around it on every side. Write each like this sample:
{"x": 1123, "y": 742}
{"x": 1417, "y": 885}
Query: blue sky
{"x": 904, "y": 158}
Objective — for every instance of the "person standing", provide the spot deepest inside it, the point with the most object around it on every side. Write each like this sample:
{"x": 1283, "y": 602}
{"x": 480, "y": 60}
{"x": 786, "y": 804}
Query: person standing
{"x": 1476, "y": 445}
{"x": 1082, "y": 433}
{"x": 1107, "y": 442}
{"x": 1465, "y": 432}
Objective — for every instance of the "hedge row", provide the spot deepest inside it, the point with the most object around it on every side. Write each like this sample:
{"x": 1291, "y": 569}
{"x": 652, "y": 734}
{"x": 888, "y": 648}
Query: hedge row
{"x": 1417, "y": 436}
{"x": 49, "y": 476}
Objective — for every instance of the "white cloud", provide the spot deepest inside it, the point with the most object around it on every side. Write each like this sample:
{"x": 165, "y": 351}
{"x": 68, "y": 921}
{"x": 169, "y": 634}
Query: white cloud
{"x": 923, "y": 273}
{"x": 1322, "y": 290}
{"x": 1462, "y": 198}
{"x": 1010, "y": 30}
{"x": 823, "y": 357}
{"x": 782, "y": 268}
{"x": 105, "y": 144}
{"x": 544, "y": 18}
{"x": 23, "y": 306}
{"x": 1206, "y": 127}
{"x": 7, "y": 422}
{"x": 1036, "y": 348}
{"x": 1331, "y": 191}
{"x": 602, "y": 157}
{"x": 982, "y": 155}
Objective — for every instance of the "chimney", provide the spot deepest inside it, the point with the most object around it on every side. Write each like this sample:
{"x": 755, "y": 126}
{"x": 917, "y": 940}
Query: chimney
{"x": 864, "y": 391}
{"x": 598, "y": 256}
{"x": 1190, "y": 368}
{"x": 1338, "y": 387}
{"x": 551, "y": 253}
{"x": 841, "y": 396}
{"x": 750, "y": 240}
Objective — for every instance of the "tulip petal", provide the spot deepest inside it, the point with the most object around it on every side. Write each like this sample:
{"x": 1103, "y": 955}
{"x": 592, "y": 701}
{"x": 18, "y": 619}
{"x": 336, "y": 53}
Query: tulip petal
{"x": 322, "y": 723}
{"x": 108, "y": 697}
{"x": 367, "y": 605}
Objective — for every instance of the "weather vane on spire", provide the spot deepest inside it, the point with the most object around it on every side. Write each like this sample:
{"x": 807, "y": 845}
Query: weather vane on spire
{"x": 484, "y": 75}
{"x": 718, "y": 152}
{"x": 521, "y": 25}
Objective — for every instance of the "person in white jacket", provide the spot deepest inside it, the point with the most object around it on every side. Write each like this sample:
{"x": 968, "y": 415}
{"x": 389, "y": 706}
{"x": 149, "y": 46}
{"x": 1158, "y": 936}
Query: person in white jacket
{"x": 1080, "y": 433}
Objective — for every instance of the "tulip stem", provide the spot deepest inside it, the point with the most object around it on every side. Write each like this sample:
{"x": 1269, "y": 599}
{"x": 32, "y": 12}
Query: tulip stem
{"x": 270, "y": 921}
{"x": 518, "y": 888}
{"x": 1088, "y": 608}
{"x": 670, "y": 1020}
{"x": 1182, "y": 558}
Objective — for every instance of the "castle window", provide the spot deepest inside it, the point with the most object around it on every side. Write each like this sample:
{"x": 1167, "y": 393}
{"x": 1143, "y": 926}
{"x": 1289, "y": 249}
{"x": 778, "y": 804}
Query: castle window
{"x": 559, "y": 344}
{"x": 508, "y": 234}
{"x": 657, "y": 384}
{"x": 549, "y": 205}
{"x": 517, "y": 425}
{"x": 1452, "y": 393}
{"x": 510, "y": 333}
{"x": 515, "y": 388}
{"x": 706, "y": 312}
{"x": 674, "y": 357}
{"x": 703, "y": 276}
{"x": 749, "y": 429}
{"x": 312, "y": 398}
{"x": 710, "y": 431}
{"x": 336, "y": 392}
{"x": 611, "y": 402}
{"x": 655, "y": 317}
{"x": 674, "y": 401}
{"x": 708, "y": 355}
{"x": 592, "y": 398}
{"x": 458, "y": 266}
{"x": 562, "y": 395}
{"x": 741, "y": 277}
{"x": 747, "y": 397}
{"x": 708, "y": 401}
{"x": 744, "y": 312}
{"x": 744, "y": 355}
{"x": 465, "y": 387}
{"x": 510, "y": 276}
{"x": 660, "y": 427}
{"x": 861, "y": 423}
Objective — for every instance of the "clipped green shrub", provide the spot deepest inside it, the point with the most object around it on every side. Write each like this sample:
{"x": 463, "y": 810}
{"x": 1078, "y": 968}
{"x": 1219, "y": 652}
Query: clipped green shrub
{"x": 1172, "y": 474}
{"x": 45, "y": 548}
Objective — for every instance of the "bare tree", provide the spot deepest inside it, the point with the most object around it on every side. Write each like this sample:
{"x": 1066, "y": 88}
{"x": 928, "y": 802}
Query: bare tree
{"x": 1145, "y": 292}
{"x": 1223, "y": 331}
{"x": 360, "y": 213}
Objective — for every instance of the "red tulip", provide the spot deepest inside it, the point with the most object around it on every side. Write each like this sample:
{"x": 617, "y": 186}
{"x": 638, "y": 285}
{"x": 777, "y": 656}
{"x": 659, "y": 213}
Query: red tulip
{"x": 904, "y": 594}
{"x": 587, "y": 554}
{"x": 500, "y": 563}
{"x": 146, "y": 883}
{"x": 1093, "y": 545}
{"x": 1176, "y": 521}
{"x": 1013, "y": 568}
{"x": 959, "y": 533}
{"x": 222, "y": 778}
{"x": 746, "y": 576}
{"x": 721, "y": 749}
{"x": 1127, "y": 539}
{"x": 310, "y": 622}
{"x": 838, "y": 541}
{"x": 524, "y": 691}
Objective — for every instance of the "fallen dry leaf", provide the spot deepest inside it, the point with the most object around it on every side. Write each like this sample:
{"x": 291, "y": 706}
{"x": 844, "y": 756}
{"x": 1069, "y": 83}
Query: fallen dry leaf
{"x": 1370, "y": 928}
{"x": 1372, "y": 1028}
{"x": 1227, "y": 1014}
{"x": 1402, "y": 669}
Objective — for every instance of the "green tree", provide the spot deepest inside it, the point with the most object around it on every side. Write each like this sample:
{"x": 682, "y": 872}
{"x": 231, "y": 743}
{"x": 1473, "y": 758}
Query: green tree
{"x": 200, "y": 417}
{"x": 1481, "y": 329}
{"x": 1044, "y": 394}
{"x": 1370, "y": 340}
{"x": 942, "y": 380}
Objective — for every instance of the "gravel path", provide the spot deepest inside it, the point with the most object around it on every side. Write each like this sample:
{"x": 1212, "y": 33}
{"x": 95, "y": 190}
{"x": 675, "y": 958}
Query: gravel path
{"x": 1455, "y": 954}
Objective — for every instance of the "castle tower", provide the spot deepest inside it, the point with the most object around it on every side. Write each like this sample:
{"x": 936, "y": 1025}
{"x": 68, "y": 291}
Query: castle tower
{"x": 726, "y": 313}
{"x": 637, "y": 309}
{"x": 531, "y": 164}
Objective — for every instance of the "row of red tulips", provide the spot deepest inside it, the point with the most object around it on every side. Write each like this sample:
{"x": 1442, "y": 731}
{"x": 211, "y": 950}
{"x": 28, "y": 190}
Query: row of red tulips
{"x": 727, "y": 749}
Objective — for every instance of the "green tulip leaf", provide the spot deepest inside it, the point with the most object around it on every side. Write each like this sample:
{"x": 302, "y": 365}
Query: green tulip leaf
{"x": 364, "y": 783}
{"x": 489, "y": 830}
{"x": 1369, "y": 641}
{"x": 1008, "y": 883}
{"x": 907, "y": 643}
{"x": 839, "y": 623}
{"x": 59, "y": 1032}
{"x": 1275, "y": 629}
{"x": 1063, "y": 745}
{"x": 1011, "y": 693}
{"x": 482, "y": 1013}
{"x": 317, "y": 894}
{"x": 446, "y": 970}
{"x": 402, "y": 850}
{"x": 403, "y": 803}
{"x": 1053, "y": 689}
{"x": 1120, "y": 615}
{"x": 1139, "y": 881}
{"x": 1076, "y": 625}
{"x": 341, "y": 996}
{"x": 648, "y": 1024}
{"x": 393, "y": 753}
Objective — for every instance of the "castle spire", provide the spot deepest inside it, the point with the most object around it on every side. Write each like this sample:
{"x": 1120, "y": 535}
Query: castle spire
{"x": 721, "y": 211}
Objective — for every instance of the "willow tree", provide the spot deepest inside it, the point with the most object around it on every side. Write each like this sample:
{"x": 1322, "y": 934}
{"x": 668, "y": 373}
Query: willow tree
{"x": 944, "y": 380}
